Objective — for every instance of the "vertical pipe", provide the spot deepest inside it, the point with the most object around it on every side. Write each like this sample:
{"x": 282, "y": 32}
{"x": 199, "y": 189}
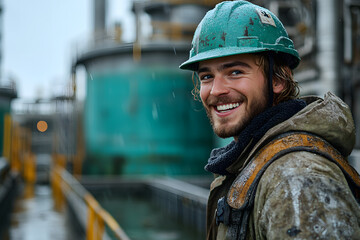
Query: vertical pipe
{"x": 137, "y": 43}
{"x": 327, "y": 34}
{"x": 99, "y": 8}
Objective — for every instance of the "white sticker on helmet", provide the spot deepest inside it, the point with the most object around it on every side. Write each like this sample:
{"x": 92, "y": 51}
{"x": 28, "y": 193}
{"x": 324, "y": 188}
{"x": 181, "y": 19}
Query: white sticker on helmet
{"x": 265, "y": 17}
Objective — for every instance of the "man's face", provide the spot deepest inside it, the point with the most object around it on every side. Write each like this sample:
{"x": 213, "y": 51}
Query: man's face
{"x": 233, "y": 90}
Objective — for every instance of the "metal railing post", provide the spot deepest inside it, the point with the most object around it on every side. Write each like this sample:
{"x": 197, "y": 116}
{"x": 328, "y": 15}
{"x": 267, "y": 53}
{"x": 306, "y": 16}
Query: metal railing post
{"x": 63, "y": 183}
{"x": 7, "y": 137}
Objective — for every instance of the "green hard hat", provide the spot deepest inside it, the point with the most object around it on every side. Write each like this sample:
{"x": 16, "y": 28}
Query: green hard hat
{"x": 238, "y": 27}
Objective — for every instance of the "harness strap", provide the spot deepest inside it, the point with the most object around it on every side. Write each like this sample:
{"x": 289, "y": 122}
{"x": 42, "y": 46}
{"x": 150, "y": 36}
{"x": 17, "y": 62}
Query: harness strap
{"x": 243, "y": 188}
{"x": 234, "y": 210}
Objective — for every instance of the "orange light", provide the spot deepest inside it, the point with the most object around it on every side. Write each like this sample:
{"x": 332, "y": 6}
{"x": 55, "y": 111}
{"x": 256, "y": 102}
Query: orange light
{"x": 42, "y": 126}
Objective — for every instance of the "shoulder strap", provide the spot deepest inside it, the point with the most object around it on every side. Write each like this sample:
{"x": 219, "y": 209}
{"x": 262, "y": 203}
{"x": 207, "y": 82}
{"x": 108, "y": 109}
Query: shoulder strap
{"x": 242, "y": 191}
{"x": 235, "y": 209}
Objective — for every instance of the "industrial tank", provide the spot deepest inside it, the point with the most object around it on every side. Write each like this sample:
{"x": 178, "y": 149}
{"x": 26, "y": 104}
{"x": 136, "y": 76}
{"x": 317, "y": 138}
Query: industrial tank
{"x": 140, "y": 116}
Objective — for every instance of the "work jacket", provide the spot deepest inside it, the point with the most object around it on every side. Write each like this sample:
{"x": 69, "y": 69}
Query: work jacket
{"x": 301, "y": 195}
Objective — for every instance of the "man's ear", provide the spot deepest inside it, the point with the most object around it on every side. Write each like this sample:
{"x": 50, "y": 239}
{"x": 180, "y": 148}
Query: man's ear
{"x": 278, "y": 85}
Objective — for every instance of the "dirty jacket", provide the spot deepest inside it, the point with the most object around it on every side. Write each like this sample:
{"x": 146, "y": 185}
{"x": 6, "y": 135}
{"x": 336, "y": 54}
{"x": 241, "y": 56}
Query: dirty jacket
{"x": 301, "y": 195}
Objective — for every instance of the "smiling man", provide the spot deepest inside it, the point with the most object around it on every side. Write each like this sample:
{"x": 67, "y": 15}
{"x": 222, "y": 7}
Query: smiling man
{"x": 233, "y": 90}
{"x": 285, "y": 175}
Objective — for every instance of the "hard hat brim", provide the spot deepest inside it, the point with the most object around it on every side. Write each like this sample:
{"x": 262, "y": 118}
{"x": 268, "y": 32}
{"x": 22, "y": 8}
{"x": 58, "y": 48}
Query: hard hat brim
{"x": 193, "y": 63}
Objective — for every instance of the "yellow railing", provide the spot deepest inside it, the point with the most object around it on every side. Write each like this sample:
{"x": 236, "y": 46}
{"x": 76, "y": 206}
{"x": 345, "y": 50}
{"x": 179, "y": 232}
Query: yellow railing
{"x": 17, "y": 149}
{"x": 7, "y": 136}
{"x": 64, "y": 183}
{"x": 29, "y": 164}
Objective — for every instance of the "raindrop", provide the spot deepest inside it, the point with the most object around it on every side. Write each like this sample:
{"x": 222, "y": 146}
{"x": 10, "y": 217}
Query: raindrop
{"x": 119, "y": 139}
{"x": 155, "y": 112}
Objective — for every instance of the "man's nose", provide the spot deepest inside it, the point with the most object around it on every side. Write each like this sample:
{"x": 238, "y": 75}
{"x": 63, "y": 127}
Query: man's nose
{"x": 219, "y": 86}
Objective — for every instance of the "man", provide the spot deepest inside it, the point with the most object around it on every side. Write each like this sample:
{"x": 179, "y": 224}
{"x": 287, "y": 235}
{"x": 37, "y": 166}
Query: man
{"x": 285, "y": 175}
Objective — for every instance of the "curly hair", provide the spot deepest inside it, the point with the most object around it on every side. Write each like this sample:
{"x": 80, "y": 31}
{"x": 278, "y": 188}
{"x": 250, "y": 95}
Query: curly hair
{"x": 281, "y": 72}
{"x": 196, "y": 90}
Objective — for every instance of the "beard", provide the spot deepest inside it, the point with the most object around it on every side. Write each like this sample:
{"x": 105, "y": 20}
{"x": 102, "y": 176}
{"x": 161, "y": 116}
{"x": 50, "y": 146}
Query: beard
{"x": 220, "y": 125}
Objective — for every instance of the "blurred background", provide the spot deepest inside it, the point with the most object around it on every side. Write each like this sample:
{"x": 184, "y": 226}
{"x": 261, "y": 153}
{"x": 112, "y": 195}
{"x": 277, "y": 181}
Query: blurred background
{"x": 100, "y": 134}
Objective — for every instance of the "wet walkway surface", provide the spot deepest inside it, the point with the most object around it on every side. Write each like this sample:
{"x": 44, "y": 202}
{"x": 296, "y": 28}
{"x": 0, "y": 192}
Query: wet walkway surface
{"x": 34, "y": 217}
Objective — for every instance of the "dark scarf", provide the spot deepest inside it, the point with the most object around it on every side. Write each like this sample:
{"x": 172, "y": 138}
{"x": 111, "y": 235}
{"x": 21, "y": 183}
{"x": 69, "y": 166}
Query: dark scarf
{"x": 222, "y": 158}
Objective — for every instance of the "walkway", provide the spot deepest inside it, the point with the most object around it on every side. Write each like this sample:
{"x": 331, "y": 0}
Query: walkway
{"x": 34, "y": 217}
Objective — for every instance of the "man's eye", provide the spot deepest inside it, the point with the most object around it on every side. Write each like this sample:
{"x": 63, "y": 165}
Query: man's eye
{"x": 236, "y": 72}
{"x": 205, "y": 77}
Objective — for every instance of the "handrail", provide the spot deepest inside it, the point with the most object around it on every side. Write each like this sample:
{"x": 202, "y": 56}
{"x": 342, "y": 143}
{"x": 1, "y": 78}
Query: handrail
{"x": 7, "y": 137}
{"x": 17, "y": 149}
{"x": 63, "y": 182}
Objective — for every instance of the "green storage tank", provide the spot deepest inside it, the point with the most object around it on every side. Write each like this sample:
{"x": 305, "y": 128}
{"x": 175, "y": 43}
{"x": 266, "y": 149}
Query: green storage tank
{"x": 140, "y": 116}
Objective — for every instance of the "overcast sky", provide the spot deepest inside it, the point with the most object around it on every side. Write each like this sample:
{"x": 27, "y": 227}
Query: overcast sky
{"x": 39, "y": 39}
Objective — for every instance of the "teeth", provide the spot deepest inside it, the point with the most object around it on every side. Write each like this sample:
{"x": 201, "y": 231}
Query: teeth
{"x": 226, "y": 107}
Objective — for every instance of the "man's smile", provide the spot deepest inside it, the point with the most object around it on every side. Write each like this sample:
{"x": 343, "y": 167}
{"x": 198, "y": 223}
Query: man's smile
{"x": 226, "y": 107}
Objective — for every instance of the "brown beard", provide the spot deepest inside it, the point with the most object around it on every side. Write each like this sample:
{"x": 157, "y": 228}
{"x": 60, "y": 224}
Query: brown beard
{"x": 212, "y": 102}
{"x": 257, "y": 108}
{"x": 238, "y": 128}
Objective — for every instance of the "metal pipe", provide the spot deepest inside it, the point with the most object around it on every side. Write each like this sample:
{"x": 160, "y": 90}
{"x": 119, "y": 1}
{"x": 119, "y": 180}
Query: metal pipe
{"x": 327, "y": 34}
{"x": 99, "y": 15}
